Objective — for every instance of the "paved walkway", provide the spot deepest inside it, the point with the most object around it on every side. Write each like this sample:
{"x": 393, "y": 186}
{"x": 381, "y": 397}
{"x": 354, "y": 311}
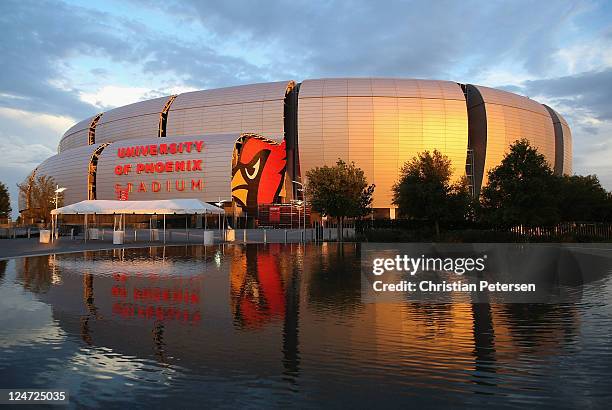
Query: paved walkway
{"x": 10, "y": 248}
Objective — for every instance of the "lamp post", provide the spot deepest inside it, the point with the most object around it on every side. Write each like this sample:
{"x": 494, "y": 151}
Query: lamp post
{"x": 220, "y": 205}
{"x": 303, "y": 204}
{"x": 58, "y": 190}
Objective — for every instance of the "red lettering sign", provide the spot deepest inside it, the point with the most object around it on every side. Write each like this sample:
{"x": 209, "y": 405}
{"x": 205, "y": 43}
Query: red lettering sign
{"x": 157, "y": 167}
{"x": 159, "y": 149}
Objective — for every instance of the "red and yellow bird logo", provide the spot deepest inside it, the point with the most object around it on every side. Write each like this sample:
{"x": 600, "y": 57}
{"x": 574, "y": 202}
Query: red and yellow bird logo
{"x": 257, "y": 286}
{"x": 258, "y": 170}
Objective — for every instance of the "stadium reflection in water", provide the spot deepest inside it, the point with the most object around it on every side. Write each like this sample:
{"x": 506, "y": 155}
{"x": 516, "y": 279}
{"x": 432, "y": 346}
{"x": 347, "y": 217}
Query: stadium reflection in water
{"x": 278, "y": 324}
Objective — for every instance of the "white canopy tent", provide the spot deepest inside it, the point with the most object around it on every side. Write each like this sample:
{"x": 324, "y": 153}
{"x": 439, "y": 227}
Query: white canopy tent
{"x": 161, "y": 207}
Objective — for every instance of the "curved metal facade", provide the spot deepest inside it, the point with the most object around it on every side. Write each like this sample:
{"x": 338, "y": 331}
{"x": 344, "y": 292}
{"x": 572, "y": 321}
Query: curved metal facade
{"x": 138, "y": 120}
{"x": 567, "y": 146}
{"x": 256, "y": 108}
{"x": 497, "y": 119}
{"x": 70, "y": 169}
{"x": 377, "y": 123}
{"x": 563, "y": 143}
{"x": 380, "y": 124}
{"x": 76, "y": 136}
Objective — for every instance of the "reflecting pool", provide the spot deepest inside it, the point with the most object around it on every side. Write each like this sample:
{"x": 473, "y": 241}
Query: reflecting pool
{"x": 277, "y": 325}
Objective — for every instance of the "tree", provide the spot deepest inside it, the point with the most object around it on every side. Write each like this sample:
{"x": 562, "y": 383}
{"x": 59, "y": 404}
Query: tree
{"x": 424, "y": 190}
{"x": 341, "y": 191}
{"x": 522, "y": 190}
{"x": 5, "y": 202}
{"x": 41, "y": 194}
{"x": 582, "y": 198}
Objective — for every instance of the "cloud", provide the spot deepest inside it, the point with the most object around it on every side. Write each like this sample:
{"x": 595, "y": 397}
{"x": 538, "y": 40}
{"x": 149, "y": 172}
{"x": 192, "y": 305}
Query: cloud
{"x": 251, "y": 42}
{"x": 99, "y": 72}
{"x": 593, "y": 150}
{"x": 590, "y": 90}
{"x": 35, "y": 79}
{"x": 33, "y": 124}
{"x": 26, "y": 140}
{"x": 586, "y": 57}
{"x": 199, "y": 65}
{"x": 585, "y": 100}
{"x": 39, "y": 36}
{"x": 410, "y": 39}
{"x": 111, "y": 96}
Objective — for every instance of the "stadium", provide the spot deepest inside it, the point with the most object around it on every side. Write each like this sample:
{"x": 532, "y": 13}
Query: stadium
{"x": 244, "y": 146}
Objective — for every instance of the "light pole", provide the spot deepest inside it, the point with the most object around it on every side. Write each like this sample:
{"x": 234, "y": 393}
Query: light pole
{"x": 58, "y": 190}
{"x": 220, "y": 204}
{"x": 303, "y": 204}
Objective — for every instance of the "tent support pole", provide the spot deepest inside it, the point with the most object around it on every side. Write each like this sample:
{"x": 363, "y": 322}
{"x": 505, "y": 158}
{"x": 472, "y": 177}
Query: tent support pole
{"x": 164, "y": 229}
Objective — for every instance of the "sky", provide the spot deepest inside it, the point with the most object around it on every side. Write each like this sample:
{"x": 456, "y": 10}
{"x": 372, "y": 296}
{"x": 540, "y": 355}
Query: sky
{"x": 63, "y": 61}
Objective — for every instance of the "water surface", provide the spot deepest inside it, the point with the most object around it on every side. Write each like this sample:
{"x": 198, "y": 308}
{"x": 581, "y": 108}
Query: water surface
{"x": 275, "y": 325}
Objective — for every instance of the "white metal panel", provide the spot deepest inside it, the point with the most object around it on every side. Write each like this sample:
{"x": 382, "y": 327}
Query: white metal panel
{"x": 70, "y": 169}
{"x": 76, "y": 136}
{"x": 138, "y": 120}
{"x": 256, "y": 108}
